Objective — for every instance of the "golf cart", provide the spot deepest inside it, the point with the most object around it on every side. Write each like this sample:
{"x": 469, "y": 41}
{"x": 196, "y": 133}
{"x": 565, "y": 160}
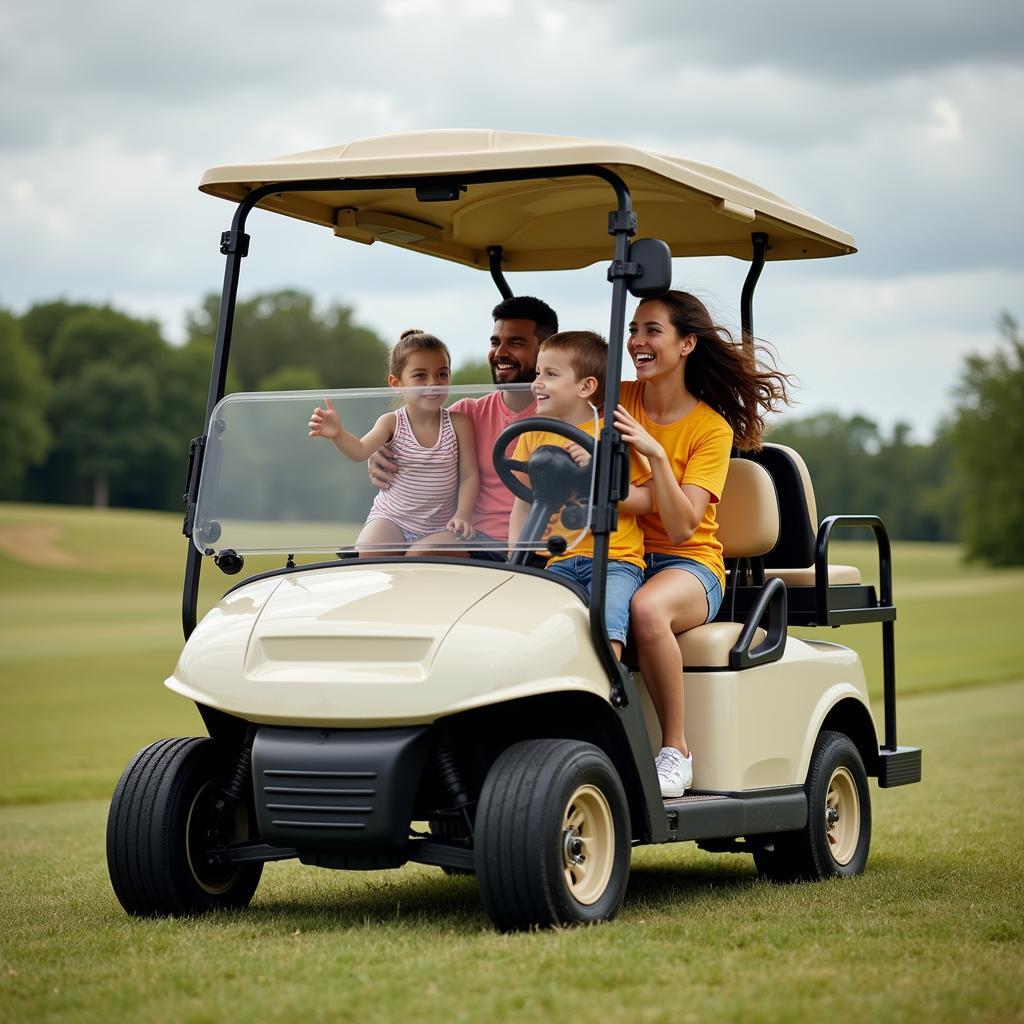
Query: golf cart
{"x": 369, "y": 708}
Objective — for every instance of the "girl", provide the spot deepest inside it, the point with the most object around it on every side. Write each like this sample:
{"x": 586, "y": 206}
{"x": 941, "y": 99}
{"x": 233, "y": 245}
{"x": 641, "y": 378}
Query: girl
{"x": 431, "y": 500}
{"x": 696, "y": 394}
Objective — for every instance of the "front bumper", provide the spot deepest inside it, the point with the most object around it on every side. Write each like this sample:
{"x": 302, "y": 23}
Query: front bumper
{"x": 338, "y": 796}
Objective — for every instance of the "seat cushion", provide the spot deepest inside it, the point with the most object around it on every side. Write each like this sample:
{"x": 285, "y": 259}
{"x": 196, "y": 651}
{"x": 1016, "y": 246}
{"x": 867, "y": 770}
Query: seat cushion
{"x": 708, "y": 646}
{"x": 838, "y": 575}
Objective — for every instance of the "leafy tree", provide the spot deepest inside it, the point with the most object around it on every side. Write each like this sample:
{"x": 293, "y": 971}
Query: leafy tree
{"x": 42, "y": 322}
{"x": 855, "y": 469}
{"x": 838, "y": 452}
{"x": 108, "y": 420}
{"x": 476, "y": 371}
{"x": 292, "y": 378}
{"x": 100, "y": 334}
{"x": 988, "y": 438}
{"x": 284, "y": 328}
{"x": 24, "y": 390}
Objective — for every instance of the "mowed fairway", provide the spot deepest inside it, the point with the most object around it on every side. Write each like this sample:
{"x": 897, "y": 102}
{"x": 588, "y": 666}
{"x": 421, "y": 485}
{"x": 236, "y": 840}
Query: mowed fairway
{"x": 89, "y": 627}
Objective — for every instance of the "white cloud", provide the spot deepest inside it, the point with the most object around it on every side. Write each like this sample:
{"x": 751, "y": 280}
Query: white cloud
{"x": 946, "y": 122}
{"x": 900, "y": 134}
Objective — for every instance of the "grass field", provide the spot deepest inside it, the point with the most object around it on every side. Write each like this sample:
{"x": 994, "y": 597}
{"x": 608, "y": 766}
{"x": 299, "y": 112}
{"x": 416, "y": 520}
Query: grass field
{"x": 89, "y": 627}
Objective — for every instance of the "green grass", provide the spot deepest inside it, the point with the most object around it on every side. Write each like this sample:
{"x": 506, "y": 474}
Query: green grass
{"x": 933, "y": 930}
{"x": 956, "y": 622}
{"x": 90, "y": 626}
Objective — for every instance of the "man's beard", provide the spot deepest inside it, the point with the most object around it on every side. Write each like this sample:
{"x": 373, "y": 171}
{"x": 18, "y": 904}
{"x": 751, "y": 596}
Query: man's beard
{"x": 522, "y": 375}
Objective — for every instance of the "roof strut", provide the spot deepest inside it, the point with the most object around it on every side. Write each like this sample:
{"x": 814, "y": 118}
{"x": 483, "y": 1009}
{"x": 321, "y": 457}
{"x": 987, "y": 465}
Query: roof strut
{"x": 759, "y": 240}
{"x": 494, "y": 255}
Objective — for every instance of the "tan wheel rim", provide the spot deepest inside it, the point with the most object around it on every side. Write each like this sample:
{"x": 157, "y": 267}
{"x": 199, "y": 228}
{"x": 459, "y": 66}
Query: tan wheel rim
{"x": 588, "y": 844}
{"x": 213, "y": 880}
{"x": 842, "y": 816}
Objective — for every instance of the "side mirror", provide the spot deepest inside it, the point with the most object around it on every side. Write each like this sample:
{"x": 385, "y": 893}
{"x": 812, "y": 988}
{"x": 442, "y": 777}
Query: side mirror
{"x": 653, "y": 259}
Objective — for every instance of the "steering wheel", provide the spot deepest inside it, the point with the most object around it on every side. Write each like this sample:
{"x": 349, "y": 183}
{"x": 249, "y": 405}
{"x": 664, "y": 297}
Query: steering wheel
{"x": 550, "y": 478}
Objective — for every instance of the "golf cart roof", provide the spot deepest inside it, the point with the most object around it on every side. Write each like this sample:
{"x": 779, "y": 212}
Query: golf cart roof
{"x": 545, "y": 223}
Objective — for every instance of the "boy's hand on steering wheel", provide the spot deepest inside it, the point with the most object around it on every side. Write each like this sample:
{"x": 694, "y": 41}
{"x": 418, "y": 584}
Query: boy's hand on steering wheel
{"x": 579, "y": 454}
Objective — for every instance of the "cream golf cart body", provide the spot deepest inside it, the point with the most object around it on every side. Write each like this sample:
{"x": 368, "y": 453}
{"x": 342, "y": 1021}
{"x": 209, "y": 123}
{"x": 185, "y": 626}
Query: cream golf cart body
{"x": 349, "y": 699}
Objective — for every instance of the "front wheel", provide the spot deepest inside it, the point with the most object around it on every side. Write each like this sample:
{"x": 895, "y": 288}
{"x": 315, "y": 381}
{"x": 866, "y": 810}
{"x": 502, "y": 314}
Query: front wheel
{"x": 552, "y": 836}
{"x": 167, "y": 814}
{"x": 836, "y": 839}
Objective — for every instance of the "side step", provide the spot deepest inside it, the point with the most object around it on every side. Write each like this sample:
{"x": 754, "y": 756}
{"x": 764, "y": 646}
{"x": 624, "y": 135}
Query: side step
{"x": 717, "y": 815}
{"x": 899, "y": 767}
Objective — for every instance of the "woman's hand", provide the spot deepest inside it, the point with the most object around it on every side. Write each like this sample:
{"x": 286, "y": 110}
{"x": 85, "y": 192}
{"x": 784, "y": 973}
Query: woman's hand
{"x": 325, "y": 422}
{"x": 635, "y": 435}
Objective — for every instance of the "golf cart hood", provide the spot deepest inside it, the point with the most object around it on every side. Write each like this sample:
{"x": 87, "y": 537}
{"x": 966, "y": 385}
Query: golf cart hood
{"x": 392, "y": 643}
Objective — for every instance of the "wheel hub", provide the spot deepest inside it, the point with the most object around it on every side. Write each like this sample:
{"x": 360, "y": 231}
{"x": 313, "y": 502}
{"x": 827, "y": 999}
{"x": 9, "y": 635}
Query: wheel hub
{"x": 842, "y": 816}
{"x": 572, "y": 847}
{"x": 588, "y": 844}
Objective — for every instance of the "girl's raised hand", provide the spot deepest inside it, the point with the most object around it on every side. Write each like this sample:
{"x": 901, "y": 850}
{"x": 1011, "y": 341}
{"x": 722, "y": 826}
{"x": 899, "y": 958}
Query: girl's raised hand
{"x": 635, "y": 435}
{"x": 325, "y": 422}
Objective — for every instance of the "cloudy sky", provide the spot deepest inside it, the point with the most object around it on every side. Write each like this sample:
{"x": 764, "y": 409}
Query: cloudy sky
{"x": 902, "y": 123}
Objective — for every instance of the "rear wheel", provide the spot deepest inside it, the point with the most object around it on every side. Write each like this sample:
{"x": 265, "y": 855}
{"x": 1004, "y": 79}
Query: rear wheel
{"x": 837, "y": 837}
{"x": 167, "y": 814}
{"x": 552, "y": 836}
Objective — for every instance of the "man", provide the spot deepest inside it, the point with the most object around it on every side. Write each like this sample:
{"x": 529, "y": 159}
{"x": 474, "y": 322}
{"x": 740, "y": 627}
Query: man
{"x": 521, "y": 323}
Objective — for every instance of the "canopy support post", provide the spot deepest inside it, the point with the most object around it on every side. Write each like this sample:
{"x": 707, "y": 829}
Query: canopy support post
{"x": 759, "y": 241}
{"x": 494, "y": 255}
{"x": 234, "y": 244}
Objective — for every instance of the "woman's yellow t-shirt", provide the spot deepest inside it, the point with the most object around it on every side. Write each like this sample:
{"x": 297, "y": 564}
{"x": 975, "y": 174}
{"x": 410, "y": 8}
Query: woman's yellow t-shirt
{"x": 698, "y": 447}
{"x": 626, "y": 544}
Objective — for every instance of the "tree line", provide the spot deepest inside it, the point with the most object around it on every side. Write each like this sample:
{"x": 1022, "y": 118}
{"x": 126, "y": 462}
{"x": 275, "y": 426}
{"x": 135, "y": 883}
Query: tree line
{"x": 96, "y": 407}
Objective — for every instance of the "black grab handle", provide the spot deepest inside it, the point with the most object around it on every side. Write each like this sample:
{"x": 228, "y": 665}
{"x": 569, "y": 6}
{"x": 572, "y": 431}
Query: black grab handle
{"x": 772, "y": 600}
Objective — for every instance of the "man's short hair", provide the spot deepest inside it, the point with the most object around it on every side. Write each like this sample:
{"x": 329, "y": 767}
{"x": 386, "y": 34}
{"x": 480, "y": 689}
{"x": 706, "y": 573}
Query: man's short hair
{"x": 588, "y": 356}
{"x": 526, "y": 307}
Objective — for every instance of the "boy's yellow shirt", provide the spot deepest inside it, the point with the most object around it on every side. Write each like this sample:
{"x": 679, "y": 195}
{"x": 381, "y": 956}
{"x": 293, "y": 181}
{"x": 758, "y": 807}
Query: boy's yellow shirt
{"x": 626, "y": 544}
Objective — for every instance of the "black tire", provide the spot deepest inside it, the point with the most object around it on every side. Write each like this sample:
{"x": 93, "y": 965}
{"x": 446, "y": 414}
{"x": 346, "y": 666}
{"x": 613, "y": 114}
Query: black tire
{"x": 552, "y": 836}
{"x": 836, "y": 840}
{"x": 156, "y": 831}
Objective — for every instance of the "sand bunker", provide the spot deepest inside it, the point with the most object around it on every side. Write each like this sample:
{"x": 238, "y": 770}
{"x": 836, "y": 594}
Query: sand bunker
{"x": 37, "y": 544}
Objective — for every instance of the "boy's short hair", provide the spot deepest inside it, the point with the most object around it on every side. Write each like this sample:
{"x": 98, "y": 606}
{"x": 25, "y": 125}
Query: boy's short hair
{"x": 526, "y": 307}
{"x": 588, "y": 356}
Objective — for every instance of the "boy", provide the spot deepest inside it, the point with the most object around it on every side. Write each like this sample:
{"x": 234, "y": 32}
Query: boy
{"x": 569, "y": 386}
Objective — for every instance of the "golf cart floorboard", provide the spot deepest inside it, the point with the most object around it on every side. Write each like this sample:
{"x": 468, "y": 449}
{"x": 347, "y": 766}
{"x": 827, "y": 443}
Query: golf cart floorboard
{"x": 718, "y": 815}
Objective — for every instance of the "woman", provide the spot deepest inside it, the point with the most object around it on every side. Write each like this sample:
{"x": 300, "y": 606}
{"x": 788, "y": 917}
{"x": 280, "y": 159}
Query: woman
{"x": 697, "y": 394}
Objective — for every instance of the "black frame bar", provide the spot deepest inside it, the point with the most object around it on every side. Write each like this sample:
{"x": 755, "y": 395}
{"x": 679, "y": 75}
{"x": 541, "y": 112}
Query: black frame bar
{"x": 495, "y": 253}
{"x": 759, "y": 241}
{"x": 884, "y": 611}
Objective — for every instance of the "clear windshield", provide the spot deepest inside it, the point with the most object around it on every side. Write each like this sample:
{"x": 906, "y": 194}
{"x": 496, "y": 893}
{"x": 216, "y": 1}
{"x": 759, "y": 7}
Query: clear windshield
{"x": 268, "y": 487}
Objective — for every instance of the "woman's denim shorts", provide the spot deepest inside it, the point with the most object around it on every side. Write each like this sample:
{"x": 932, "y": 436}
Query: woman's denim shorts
{"x": 656, "y": 562}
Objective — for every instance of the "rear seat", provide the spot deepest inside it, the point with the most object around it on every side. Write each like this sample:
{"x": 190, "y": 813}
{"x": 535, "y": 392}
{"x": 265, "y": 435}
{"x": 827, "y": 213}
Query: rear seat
{"x": 791, "y": 558}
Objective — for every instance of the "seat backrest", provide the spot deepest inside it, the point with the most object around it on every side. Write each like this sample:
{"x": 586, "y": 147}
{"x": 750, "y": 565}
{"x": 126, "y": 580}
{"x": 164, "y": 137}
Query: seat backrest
{"x": 798, "y": 514}
{"x": 748, "y": 512}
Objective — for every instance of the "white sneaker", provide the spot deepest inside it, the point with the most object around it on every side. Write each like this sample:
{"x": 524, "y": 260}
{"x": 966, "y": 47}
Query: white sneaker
{"x": 675, "y": 772}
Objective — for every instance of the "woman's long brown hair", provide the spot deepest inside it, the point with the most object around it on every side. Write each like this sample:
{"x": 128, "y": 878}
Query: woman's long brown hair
{"x": 724, "y": 374}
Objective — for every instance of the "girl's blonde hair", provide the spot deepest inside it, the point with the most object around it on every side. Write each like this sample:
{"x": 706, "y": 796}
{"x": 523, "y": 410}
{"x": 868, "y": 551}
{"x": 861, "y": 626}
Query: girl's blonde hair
{"x": 410, "y": 341}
